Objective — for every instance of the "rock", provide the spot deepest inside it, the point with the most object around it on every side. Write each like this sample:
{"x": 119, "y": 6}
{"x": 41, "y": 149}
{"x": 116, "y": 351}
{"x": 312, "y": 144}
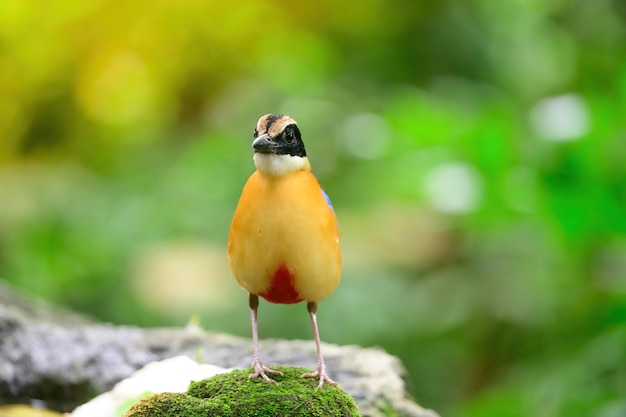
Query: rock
{"x": 64, "y": 359}
{"x": 233, "y": 394}
{"x": 169, "y": 375}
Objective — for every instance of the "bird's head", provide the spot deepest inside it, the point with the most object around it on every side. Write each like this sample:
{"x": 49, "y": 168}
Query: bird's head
{"x": 278, "y": 146}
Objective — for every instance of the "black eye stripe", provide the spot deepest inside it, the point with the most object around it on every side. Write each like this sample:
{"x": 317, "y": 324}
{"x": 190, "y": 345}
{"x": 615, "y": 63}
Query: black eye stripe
{"x": 291, "y": 141}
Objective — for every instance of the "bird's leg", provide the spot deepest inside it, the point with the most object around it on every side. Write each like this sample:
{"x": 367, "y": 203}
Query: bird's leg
{"x": 321, "y": 367}
{"x": 259, "y": 368}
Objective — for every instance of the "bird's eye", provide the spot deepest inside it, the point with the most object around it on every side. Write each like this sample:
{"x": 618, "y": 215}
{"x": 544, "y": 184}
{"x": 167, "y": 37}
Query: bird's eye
{"x": 289, "y": 136}
{"x": 255, "y": 134}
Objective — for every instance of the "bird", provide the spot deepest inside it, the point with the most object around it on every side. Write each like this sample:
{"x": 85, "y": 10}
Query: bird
{"x": 284, "y": 243}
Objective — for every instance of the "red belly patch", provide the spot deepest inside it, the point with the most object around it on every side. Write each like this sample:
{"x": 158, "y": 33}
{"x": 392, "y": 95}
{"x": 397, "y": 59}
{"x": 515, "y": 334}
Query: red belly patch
{"x": 282, "y": 290}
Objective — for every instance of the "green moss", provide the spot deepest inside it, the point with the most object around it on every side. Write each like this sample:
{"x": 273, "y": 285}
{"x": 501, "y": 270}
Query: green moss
{"x": 233, "y": 394}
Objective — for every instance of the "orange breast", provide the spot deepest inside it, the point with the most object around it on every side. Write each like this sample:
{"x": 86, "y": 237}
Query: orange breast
{"x": 284, "y": 239}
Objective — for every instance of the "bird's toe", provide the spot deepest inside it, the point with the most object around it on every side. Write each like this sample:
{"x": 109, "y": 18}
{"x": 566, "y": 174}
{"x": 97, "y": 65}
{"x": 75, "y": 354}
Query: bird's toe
{"x": 322, "y": 376}
{"x": 261, "y": 370}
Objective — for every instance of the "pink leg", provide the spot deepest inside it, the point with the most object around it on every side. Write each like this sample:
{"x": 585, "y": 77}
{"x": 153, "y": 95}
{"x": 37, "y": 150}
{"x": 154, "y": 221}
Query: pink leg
{"x": 321, "y": 367}
{"x": 259, "y": 368}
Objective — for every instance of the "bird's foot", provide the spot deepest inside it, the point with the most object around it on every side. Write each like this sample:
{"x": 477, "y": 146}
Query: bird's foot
{"x": 260, "y": 370}
{"x": 322, "y": 375}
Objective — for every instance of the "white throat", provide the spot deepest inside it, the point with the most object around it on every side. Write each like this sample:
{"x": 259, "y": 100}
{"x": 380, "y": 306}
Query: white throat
{"x": 277, "y": 165}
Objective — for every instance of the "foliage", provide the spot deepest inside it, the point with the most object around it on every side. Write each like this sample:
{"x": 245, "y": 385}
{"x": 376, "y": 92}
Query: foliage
{"x": 474, "y": 151}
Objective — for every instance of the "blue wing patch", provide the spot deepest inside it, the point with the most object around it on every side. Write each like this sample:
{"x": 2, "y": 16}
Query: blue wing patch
{"x": 330, "y": 203}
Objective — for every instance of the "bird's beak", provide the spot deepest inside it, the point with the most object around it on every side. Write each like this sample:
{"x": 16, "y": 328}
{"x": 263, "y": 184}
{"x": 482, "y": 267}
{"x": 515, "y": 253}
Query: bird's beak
{"x": 263, "y": 144}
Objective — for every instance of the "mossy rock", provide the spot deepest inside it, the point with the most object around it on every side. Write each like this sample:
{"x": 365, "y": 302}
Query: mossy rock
{"x": 233, "y": 394}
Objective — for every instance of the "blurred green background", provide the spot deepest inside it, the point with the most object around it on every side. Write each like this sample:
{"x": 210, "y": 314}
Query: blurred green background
{"x": 475, "y": 152}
